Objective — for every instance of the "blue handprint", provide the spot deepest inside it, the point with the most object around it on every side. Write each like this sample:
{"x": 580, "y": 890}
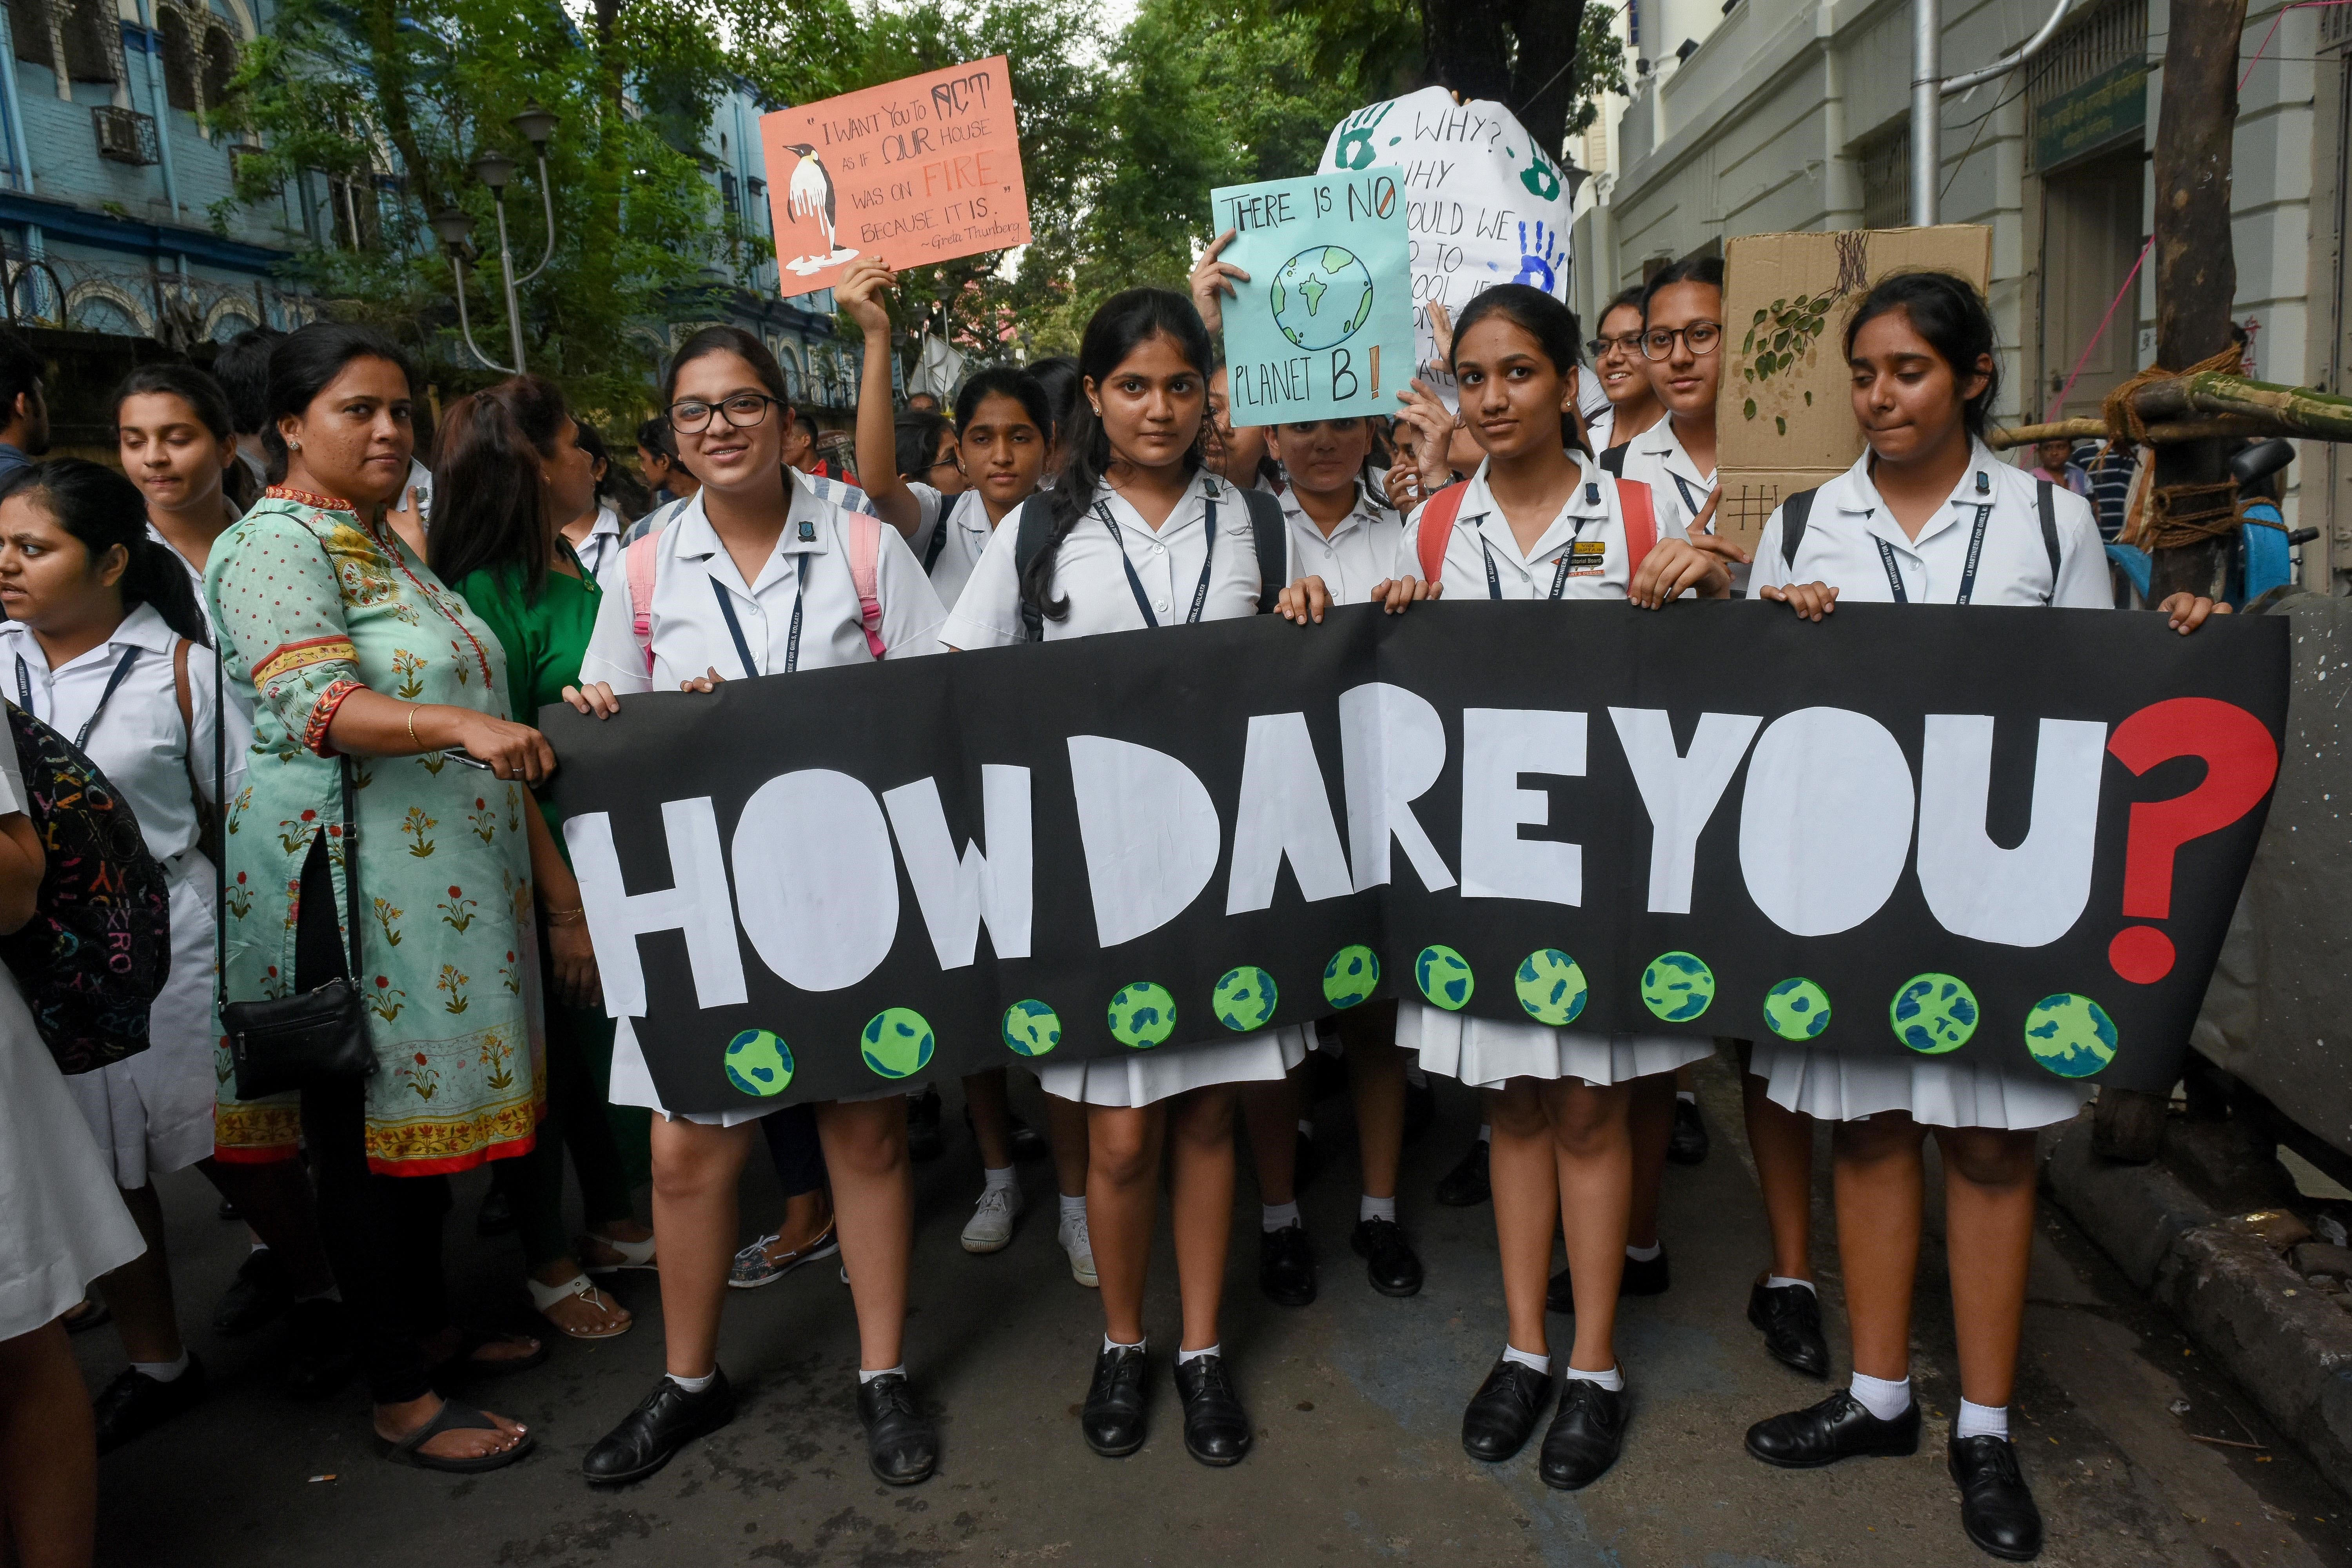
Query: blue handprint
{"x": 1354, "y": 150}
{"x": 1539, "y": 257}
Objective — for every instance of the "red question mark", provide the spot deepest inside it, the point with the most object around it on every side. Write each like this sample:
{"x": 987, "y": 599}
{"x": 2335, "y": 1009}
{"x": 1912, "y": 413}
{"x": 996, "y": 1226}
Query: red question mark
{"x": 2241, "y": 761}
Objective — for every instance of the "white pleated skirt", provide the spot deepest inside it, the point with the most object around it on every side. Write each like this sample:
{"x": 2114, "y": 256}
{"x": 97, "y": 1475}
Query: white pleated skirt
{"x": 1487, "y": 1053}
{"x": 1146, "y": 1078}
{"x": 1839, "y": 1087}
{"x": 152, "y": 1113}
{"x": 633, "y": 1084}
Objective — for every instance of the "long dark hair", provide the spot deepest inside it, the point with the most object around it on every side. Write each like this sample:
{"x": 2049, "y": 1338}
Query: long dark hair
{"x": 490, "y": 500}
{"x": 916, "y": 433}
{"x": 101, "y": 508}
{"x": 242, "y": 368}
{"x": 304, "y": 363}
{"x": 1126, "y": 320}
{"x": 207, "y": 399}
{"x": 1058, "y": 377}
{"x": 1552, "y": 325}
{"x": 1006, "y": 381}
{"x": 1950, "y": 314}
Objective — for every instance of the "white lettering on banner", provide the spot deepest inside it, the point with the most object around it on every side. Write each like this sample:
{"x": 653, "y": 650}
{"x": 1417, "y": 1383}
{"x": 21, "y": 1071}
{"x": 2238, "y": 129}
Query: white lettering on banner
{"x": 1680, "y": 791}
{"x": 695, "y": 903}
{"x": 2025, "y": 896}
{"x": 815, "y": 881}
{"x": 995, "y": 886}
{"x": 1283, "y": 810}
{"x": 1825, "y": 821}
{"x": 1391, "y": 749}
{"x": 1498, "y": 744}
{"x": 1150, "y": 832}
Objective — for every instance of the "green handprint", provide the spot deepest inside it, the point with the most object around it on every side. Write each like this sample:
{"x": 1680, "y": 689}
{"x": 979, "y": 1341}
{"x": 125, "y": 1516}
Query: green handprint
{"x": 1355, "y": 146}
{"x": 1539, "y": 177}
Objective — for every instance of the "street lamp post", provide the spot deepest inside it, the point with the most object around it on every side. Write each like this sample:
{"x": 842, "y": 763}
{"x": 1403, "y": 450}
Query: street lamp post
{"x": 454, "y": 228}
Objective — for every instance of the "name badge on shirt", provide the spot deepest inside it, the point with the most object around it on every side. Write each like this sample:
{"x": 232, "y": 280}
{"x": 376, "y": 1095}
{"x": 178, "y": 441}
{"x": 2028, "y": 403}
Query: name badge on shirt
{"x": 1588, "y": 558}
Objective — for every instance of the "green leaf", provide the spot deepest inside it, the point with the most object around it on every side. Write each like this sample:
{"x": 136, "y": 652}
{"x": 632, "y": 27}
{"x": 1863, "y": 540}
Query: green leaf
{"x": 1783, "y": 424}
{"x": 1748, "y": 408}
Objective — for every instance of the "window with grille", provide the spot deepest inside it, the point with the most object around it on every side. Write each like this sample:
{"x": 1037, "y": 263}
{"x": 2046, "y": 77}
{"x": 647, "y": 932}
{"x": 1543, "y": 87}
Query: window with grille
{"x": 220, "y": 65}
{"x": 2103, "y": 55}
{"x": 29, "y": 30}
{"x": 1886, "y": 161}
{"x": 179, "y": 58}
{"x": 93, "y": 40}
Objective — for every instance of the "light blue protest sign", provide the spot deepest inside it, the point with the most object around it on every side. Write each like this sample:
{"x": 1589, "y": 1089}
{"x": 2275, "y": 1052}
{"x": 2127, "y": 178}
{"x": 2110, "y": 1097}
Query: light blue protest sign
{"x": 1323, "y": 329}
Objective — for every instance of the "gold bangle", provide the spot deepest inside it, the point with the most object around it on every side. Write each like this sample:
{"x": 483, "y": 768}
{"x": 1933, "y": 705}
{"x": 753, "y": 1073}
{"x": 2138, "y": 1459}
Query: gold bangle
{"x": 412, "y": 741}
{"x": 581, "y": 910}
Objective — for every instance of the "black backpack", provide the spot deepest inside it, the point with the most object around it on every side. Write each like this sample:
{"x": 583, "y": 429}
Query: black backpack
{"x": 1268, "y": 537}
{"x": 96, "y": 952}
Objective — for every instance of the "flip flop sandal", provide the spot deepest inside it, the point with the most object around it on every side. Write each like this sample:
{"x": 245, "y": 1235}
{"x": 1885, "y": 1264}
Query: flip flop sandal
{"x": 463, "y": 1363}
{"x": 634, "y": 1254}
{"x": 453, "y": 1417}
{"x": 546, "y": 1296}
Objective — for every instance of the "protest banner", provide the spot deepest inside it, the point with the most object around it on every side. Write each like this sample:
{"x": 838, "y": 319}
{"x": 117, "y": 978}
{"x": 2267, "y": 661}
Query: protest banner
{"x": 1484, "y": 205}
{"x": 2016, "y": 834}
{"x": 1323, "y": 328}
{"x": 918, "y": 171}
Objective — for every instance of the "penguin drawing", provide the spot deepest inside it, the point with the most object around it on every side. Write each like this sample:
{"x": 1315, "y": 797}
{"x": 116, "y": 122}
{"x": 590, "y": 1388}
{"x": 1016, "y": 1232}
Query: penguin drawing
{"x": 809, "y": 194}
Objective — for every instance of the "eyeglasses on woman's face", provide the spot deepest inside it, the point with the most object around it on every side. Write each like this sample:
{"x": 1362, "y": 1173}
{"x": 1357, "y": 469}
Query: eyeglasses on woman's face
{"x": 742, "y": 411}
{"x": 1699, "y": 337}
{"x": 1627, "y": 343}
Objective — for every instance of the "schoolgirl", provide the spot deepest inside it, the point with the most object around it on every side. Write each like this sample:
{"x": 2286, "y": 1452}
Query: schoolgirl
{"x": 177, "y": 441}
{"x": 1141, "y": 536}
{"x": 1681, "y": 342}
{"x": 1928, "y": 516}
{"x": 998, "y": 446}
{"x": 1539, "y": 520}
{"x": 596, "y": 533}
{"x": 1619, "y": 367}
{"x": 758, "y": 577}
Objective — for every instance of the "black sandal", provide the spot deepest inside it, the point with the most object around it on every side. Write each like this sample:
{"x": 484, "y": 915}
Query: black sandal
{"x": 461, "y": 1363}
{"x": 453, "y": 1417}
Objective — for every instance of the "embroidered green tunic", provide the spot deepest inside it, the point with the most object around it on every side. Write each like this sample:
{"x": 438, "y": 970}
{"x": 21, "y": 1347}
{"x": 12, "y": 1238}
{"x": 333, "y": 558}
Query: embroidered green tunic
{"x": 312, "y": 603}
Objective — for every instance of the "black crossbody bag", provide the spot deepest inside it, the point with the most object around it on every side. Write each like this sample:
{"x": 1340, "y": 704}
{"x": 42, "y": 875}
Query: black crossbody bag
{"x": 315, "y": 1036}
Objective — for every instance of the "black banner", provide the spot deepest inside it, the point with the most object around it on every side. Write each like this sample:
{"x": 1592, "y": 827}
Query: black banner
{"x": 2016, "y": 834}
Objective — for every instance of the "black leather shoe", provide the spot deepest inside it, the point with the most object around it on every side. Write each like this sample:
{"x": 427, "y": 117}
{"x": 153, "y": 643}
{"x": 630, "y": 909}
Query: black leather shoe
{"x": 655, "y": 1430}
{"x": 1466, "y": 1186}
{"x": 259, "y": 1293}
{"x": 1641, "y": 1277}
{"x": 925, "y": 1141}
{"x": 1420, "y": 1109}
{"x": 1119, "y": 1403}
{"x": 1216, "y": 1428}
{"x": 135, "y": 1403}
{"x": 1586, "y": 1435}
{"x": 902, "y": 1447}
{"x": 1995, "y": 1509}
{"x": 1837, "y": 1429}
{"x": 1286, "y": 1266}
{"x": 1389, "y": 1259}
{"x": 319, "y": 1356}
{"x": 1790, "y": 1316}
{"x": 1503, "y": 1413}
{"x": 1687, "y": 1144}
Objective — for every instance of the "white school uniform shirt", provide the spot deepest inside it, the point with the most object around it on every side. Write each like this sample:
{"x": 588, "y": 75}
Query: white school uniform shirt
{"x": 833, "y": 492}
{"x": 964, "y": 519}
{"x": 1361, "y": 553}
{"x": 601, "y": 548}
{"x": 1678, "y": 489}
{"x": 1843, "y": 533}
{"x": 1588, "y": 536}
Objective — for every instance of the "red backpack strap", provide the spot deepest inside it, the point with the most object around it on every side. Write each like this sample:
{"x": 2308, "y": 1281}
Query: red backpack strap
{"x": 864, "y": 572}
{"x": 638, "y": 561}
{"x": 1640, "y": 523}
{"x": 1437, "y": 519}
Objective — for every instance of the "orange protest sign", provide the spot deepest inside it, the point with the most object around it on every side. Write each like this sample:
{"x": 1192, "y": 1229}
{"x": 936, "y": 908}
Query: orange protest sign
{"x": 923, "y": 170}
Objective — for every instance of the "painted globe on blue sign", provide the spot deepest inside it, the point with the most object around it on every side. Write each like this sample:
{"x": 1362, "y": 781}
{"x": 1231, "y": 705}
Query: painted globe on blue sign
{"x": 1797, "y": 1009}
{"x": 1444, "y": 977}
{"x": 897, "y": 1042}
{"x": 1320, "y": 297}
{"x": 1934, "y": 1013}
{"x": 1142, "y": 1015}
{"x": 759, "y": 1063}
{"x": 2071, "y": 1036}
{"x": 1245, "y": 999}
{"x": 1030, "y": 1027}
{"x": 1550, "y": 987}
{"x": 1677, "y": 986}
{"x": 1351, "y": 977}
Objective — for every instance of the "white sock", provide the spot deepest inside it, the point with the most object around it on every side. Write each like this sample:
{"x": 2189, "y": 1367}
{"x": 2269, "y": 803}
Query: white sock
{"x": 256, "y": 1247}
{"x": 865, "y": 1377}
{"x": 171, "y": 1371}
{"x": 1526, "y": 1358}
{"x": 1883, "y": 1399}
{"x": 1112, "y": 1344}
{"x": 1074, "y": 1207}
{"x": 1370, "y": 1207}
{"x": 1184, "y": 1355}
{"x": 998, "y": 1180}
{"x": 1306, "y": 1127}
{"x": 1640, "y": 1255}
{"x": 1981, "y": 1421}
{"x": 1613, "y": 1380}
{"x": 1486, "y": 1133}
{"x": 1780, "y": 1283}
{"x": 693, "y": 1384}
{"x": 1687, "y": 1094}
{"x": 1278, "y": 1217}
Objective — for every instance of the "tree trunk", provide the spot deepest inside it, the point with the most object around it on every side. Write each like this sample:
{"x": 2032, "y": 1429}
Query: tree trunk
{"x": 388, "y": 62}
{"x": 608, "y": 50}
{"x": 2195, "y": 271}
{"x": 1520, "y": 53}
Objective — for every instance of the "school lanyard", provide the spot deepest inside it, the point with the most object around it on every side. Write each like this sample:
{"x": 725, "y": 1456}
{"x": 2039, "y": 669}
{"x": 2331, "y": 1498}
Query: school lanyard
{"x": 1683, "y": 485}
{"x": 121, "y": 669}
{"x": 1968, "y": 573}
{"x": 1558, "y": 577}
{"x": 1135, "y": 584}
{"x": 791, "y": 637}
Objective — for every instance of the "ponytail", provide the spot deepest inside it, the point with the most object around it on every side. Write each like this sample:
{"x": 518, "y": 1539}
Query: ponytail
{"x": 103, "y": 510}
{"x": 489, "y": 498}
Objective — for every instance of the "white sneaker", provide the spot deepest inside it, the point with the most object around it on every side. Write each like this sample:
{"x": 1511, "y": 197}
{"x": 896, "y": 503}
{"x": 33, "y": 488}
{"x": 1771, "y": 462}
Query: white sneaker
{"x": 1081, "y": 1249}
{"x": 990, "y": 1226}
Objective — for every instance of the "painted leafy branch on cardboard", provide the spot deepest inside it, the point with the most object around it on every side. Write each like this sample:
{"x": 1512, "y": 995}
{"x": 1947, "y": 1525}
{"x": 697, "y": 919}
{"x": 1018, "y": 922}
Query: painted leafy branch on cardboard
{"x": 1783, "y": 335}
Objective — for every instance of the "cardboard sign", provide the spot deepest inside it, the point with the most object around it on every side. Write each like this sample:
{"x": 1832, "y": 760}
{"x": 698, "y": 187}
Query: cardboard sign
{"x": 1783, "y": 415}
{"x": 1323, "y": 329}
{"x": 918, "y": 171}
{"x": 1484, "y": 205}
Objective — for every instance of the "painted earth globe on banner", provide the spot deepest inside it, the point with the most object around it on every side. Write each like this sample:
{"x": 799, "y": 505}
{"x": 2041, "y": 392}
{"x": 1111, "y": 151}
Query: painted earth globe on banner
{"x": 897, "y": 1042}
{"x": 1550, "y": 987}
{"x": 1142, "y": 1015}
{"x": 1797, "y": 1009}
{"x": 1351, "y": 977}
{"x": 1677, "y": 986}
{"x": 1245, "y": 999}
{"x": 1444, "y": 977}
{"x": 2071, "y": 1036}
{"x": 1320, "y": 297}
{"x": 759, "y": 1063}
{"x": 1030, "y": 1027}
{"x": 1934, "y": 1013}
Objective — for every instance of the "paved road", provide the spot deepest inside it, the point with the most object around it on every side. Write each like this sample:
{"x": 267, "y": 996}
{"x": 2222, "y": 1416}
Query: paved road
{"x": 1357, "y": 1400}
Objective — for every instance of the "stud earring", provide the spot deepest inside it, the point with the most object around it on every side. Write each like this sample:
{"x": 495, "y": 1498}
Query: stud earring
{"x": 293, "y": 445}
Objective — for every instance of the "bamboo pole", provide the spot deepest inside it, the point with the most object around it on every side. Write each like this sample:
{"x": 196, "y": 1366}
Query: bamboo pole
{"x": 2232, "y": 426}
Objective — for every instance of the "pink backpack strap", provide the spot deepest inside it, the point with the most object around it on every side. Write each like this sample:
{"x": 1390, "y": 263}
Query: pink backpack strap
{"x": 1640, "y": 523}
{"x": 639, "y": 561}
{"x": 864, "y": 564}
{"x": 1437, "y": 520}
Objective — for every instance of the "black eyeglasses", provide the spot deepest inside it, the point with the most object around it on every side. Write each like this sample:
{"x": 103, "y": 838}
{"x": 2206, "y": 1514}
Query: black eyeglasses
{"x": 740, "y": 412}
{"x": 1699, "y": 337}
{"x": 1599, "y": 347}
